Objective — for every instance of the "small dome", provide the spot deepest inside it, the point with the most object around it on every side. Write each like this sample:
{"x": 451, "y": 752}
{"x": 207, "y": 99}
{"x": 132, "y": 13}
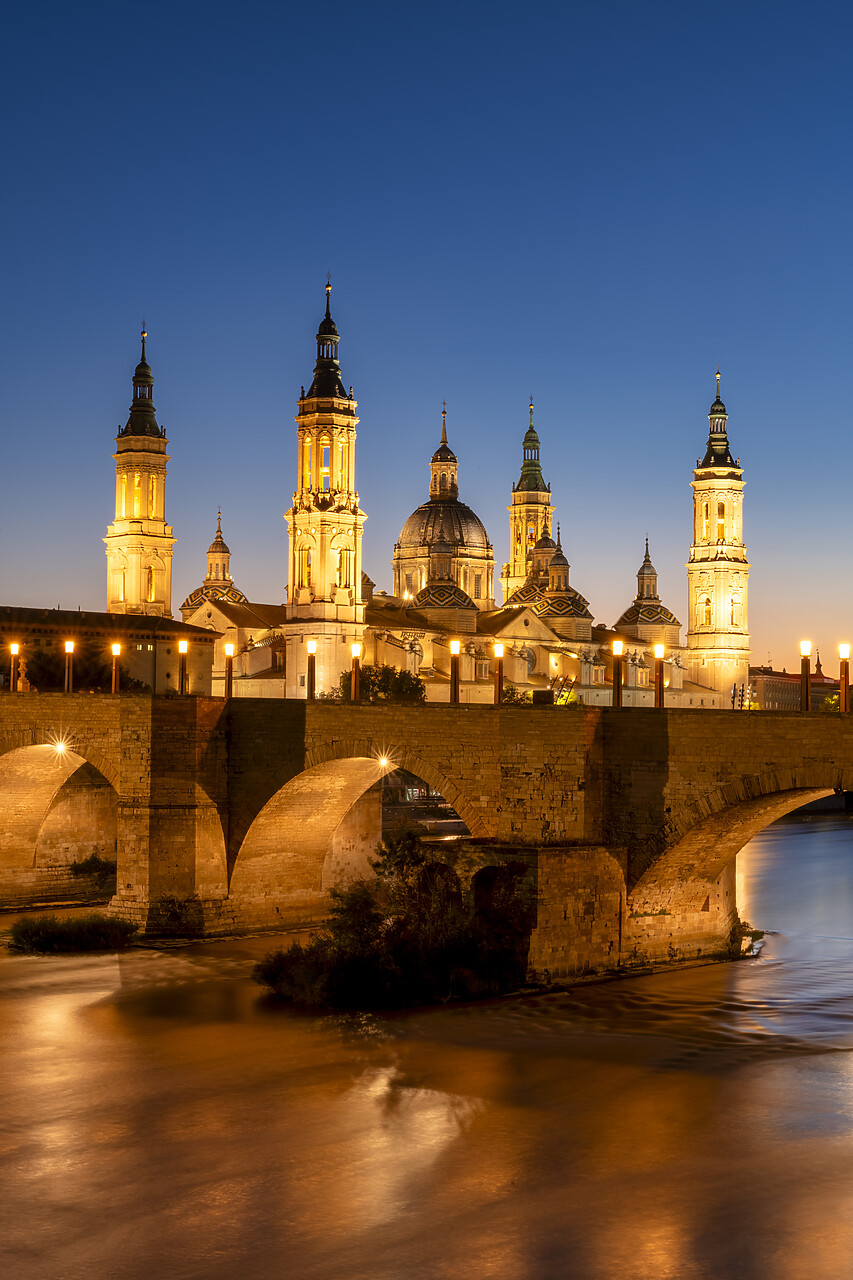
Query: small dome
{"x": 444, "y": 453}
{"x": 559, "y": 560}
{"x": 328, "y": 328}
{"x": 545, "y": 543}
{"x": 443, "y": 595}
{"x": 445, "y": 519}
{"x": 717, "y": 408}
{"x": 219, "y": 546}
{"x": 143, "y": 372}
{"x": 563, "y": 604}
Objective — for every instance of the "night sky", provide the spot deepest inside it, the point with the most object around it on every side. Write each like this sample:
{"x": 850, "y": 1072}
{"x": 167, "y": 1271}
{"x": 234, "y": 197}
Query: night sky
{"x": 596, "y": 203}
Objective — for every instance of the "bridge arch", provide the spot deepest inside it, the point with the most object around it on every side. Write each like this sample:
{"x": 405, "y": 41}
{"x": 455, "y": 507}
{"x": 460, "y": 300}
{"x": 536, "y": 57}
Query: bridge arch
{"x": 706, "y": 838}
{"x": 40, "y": 787}
{"x": 285, "y": 862}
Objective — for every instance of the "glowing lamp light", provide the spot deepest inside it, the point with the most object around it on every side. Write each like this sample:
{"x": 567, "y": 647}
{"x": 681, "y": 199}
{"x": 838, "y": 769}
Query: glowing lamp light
{"x": 805, "y": 648}
{"x": 383, "y": 760}
{"x": 844, "y": 652}
{"x": 229, "y": 651}
{"x": 658, "y": 650}
{"x": 312, "y": 646}
{"x": 356, "y": 650}
{"x": 14, "y": 649}
{"x": 618, "y": 648}
{"x": 69, "y": 646}
{"x": 454, "y": 646}
{"x": 59, "y": 748}
{"x": 116, "y": 650}
{"x": 499, "y": 651}
{"x": 182, "y": 646}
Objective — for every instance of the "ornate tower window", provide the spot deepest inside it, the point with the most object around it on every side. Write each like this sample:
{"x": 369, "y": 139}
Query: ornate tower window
{"x": 152, "y": 497}
{"x": 721, "y": 522}
{"x": 706, "y": 520}
{"x": 123, "y": 502}
{"x": 137, "y": 494}
{"x": 149, "y": 584}
{"x": 705, "y": 611}
{"x": 737, "y": 609}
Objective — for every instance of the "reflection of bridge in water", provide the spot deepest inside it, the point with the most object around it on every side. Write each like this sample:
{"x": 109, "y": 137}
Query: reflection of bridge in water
{"x": 242, "y": 815}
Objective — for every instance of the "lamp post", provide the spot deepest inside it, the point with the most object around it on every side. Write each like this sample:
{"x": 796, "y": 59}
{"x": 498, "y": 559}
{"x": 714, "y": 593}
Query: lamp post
{"x": 69, "y": 666}
{"x": 659, "y": 675}
{"x": 805, "y": 675}
{"x": 312, "y": 670}
{"x": 844, "y": 680}
{"x": 229, "y": 670}
{"x": 14, "y": 649}
{"x": 355, "y": 678}
{"x": 454, "y": 672}
{"x": 182, "y": 668}
{"x": 499, "y": 674}
{"x": 116, "y": 652}
{"x": 618, "y": 649}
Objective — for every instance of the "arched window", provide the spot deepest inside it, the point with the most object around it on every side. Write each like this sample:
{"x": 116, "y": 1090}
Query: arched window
{"x": 121, "y": 578}
{"x": 149, "y": 584}
{"x": 705, "y": 611}
{"x": 443, "y": 484}
{"x": 307, "y": 458}
{"x": 721, "y": 522}
{"x": 137, "y": 494}
{"x": 737, "y": 609}
{"x": 123, "y": 502}
{"x": 706, "y": 521}
{"x": 152, "y": 497}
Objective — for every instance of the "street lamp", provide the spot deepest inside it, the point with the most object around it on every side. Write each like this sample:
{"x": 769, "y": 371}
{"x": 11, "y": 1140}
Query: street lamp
{"x": 844, "y": 681}
{"x": 69, "y": 666}
{"x": 618, "y": 650}
{"x": 182, "y": 669}
{"x": 499, "y": 674}
{"x": 116, "y": 648}
{"x": 14, "y": 649}
{"x": 312, "y": 670}
{"x": 355, "y": 679}
{"x": 805, "y": 675}
{"x": 454, "y": 672}
{"x": 659, "y": 651}
{"x": 229, "y": 670}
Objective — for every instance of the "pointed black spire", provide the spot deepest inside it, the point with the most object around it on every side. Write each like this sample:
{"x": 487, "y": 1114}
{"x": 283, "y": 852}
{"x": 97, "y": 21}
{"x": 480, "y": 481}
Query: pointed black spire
{"x": 718, "y": 453}
{"x": 327, "y": 371}
{"x": 142, "y": 420}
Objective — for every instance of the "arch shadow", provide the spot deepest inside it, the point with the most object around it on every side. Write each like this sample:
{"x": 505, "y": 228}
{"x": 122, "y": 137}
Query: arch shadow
{"x": 36, "y": 784}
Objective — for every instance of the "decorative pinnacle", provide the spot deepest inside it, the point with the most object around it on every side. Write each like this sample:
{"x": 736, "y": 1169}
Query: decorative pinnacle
{"x": 718, "y": 382}
{"x": 328, "y": 295}
{"x": 559, "y": 544}
{"x": 143, "y": 335}
{"x": 531, "y": 408}
{"x": 647, "y": 546}
{"x": 444, "y": 422}
{"x": 219, "y": 520}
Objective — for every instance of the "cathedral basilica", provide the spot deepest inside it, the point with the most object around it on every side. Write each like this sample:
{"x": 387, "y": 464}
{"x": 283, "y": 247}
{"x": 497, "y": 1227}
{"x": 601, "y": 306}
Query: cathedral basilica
{"x": 443, "y": 573}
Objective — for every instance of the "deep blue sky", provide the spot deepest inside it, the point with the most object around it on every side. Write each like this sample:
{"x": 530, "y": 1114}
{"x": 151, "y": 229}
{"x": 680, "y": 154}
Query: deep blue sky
{"x": 594, "y": 202}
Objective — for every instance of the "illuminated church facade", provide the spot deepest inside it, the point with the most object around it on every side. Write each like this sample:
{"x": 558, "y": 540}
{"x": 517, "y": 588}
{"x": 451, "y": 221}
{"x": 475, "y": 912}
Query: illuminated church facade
{"x": 443, "y": 572}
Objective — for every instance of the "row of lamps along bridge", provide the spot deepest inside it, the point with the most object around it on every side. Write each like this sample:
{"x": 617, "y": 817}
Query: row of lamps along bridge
{"x": 355, "y": 681}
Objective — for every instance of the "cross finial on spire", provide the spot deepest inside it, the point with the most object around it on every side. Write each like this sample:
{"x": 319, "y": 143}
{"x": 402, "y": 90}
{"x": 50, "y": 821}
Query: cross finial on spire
{"x": 444, "y": 422}
{"x": 531, "y": 408}
{"x": 647, "y": 546}
{"x": 328, "y": 295}
{"x": 219, "y": 520}
{"x": 143, "y": 335}
{"x": 559, "y": 544}
{"x": 718, "y": 382}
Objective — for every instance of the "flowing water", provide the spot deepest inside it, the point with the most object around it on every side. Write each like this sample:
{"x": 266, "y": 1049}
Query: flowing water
{"x": 160, "y": 1119}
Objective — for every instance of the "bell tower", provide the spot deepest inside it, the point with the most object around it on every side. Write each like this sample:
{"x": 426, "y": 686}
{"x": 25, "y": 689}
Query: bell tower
{"x": 139, "y": 542}
{"x": 325, "y": 523}
{"x": 718, "y": 570}
{"x": 530, "y": 516}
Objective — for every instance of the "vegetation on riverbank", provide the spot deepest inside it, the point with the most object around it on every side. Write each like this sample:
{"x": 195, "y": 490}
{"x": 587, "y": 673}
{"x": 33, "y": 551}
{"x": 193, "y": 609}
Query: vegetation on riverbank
{"x": 408, "y": 937}
{"x": 46, "y": 935}
{"x": 103, "y": 868}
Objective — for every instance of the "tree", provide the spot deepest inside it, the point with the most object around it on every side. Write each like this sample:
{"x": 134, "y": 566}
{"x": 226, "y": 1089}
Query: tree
{"x": 384, "y": 684}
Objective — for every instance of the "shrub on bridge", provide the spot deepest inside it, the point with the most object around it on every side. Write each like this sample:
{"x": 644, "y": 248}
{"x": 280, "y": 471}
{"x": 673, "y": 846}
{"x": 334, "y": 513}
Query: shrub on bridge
{"x": 408, "y": 937}
{"x": 91, "y": 932}
{"x": 384, "y": 684}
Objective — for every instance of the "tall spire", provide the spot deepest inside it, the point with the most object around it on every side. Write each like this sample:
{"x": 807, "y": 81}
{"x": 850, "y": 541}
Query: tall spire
{"x": 718, "y": 453}
{"x": 142, "y": 420}
{"x": 444, "y": 468}
{"x": 444, "y": 422}
{"x": 327, "y": 371}
{"x": 531, "y": 478}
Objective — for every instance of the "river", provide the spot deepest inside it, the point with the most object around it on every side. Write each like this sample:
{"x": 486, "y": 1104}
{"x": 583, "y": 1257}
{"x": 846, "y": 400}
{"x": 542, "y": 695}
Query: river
{"x": 161, "y": 1120}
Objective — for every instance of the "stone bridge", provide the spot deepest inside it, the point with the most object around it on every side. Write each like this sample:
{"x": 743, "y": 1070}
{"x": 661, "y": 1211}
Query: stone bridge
{"x": 242, "y": 815}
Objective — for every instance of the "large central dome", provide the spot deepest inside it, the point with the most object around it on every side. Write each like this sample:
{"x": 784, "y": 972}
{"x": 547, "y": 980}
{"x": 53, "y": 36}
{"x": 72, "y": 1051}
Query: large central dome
{"x": 447, "y": 518}
{"x": 444, "y": 538}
